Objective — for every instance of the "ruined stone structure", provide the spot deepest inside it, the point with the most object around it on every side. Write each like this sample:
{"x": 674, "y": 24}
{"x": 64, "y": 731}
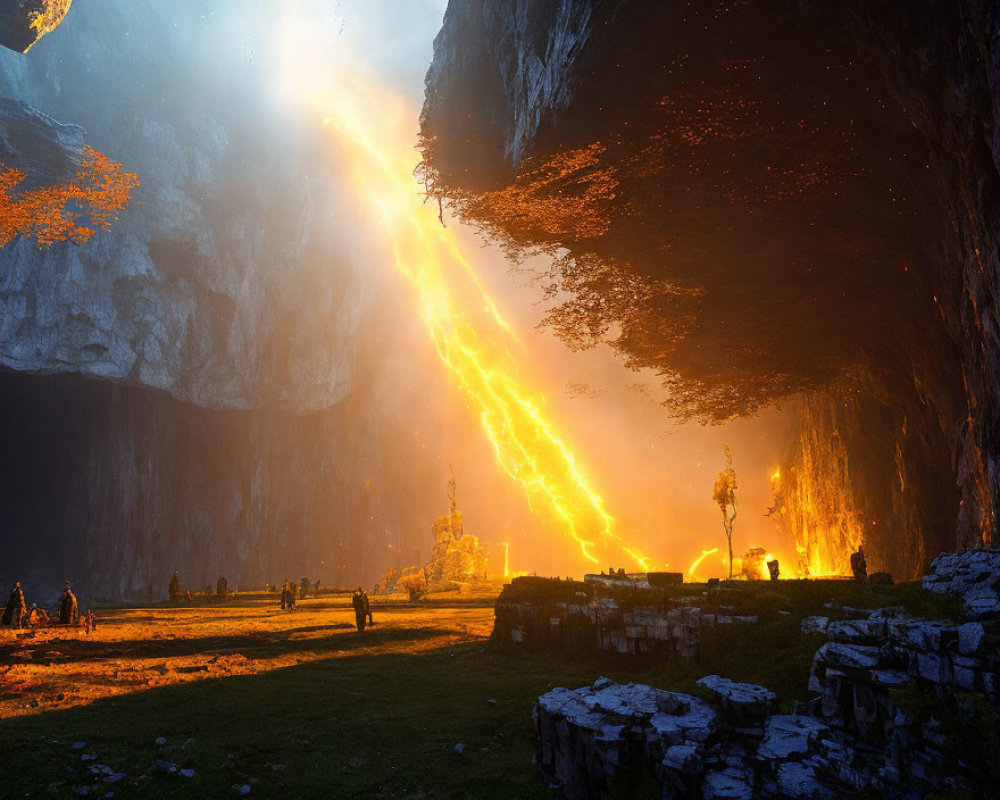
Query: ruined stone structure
{"x": 530, "y": 612}
{"x": 899, "y": 706}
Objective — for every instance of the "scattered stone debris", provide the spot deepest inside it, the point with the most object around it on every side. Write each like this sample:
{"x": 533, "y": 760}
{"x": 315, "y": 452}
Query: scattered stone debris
{"x": 162, "y": 740}
{"x": 244, "y": 789}
{"x": 459, "y": 748}
{"x": 811, "y": 625}
{"x": 973, "y": 575}
{"x": 187, "y": 773}
{"x": 887, "y": 694}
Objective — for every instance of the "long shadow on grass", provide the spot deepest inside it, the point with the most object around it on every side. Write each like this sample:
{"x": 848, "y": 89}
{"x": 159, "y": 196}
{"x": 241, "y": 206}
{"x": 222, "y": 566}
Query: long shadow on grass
{"x": 376, "y": 726}
{"x": 260, "y": 644}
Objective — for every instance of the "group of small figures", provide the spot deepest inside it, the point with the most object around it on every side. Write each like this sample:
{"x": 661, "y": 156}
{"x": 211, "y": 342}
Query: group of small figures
{"x": 17, "y": 615}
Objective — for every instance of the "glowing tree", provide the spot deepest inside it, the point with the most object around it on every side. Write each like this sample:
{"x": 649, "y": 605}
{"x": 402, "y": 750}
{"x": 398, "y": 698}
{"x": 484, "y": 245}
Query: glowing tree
{"x": 55, "y": 213}
{"x": 725, "y": 496}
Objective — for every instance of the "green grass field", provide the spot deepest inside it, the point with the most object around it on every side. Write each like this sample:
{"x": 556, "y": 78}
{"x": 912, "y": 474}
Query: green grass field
{"x": 383, "y": 723}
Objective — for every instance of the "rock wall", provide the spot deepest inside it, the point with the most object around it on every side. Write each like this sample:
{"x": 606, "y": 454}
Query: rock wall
{"x": 210, "y": 405}
{"x": 899, "y": 707}
{"x": 763, "y": 203}
{"x": 229, "y": 286}
{"x": 116, "y": 487}
{"x": 895, "y": 700}
{"x": 527, "y": 614}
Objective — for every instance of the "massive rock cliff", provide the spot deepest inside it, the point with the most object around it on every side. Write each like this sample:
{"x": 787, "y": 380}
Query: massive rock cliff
{"x": 764, "y": 203}
{"x": 186, "y": 391}
{"x": 229, "y": 286}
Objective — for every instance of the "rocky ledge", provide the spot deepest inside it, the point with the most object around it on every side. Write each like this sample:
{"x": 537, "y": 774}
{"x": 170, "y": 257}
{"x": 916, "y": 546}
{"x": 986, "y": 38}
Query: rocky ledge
{"x": 898, "y": 706}
{"x": 974, "y": 575}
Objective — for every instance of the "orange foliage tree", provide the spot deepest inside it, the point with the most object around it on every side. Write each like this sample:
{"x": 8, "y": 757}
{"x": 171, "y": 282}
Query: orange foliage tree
{"x": 49, "y": 214}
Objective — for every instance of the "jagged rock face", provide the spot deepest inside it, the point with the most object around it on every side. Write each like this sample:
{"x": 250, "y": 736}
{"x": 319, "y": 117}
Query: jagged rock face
{"x": 46, "y": 151}
{"x": 761, "y": 201}
{"x": 229, "y": 285}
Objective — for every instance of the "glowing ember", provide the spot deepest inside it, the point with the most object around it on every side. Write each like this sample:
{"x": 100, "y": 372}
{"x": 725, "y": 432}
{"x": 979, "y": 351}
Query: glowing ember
{"x": 373, "y": 129}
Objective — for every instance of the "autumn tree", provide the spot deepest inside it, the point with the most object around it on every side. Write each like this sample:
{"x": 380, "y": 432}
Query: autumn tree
{"x": 71, "y": 211}
{"x": 725, "y": 495}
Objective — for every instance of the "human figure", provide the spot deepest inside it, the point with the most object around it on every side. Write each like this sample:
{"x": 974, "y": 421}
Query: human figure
{"x": 175, "y": 586}
{"x": 773, "y": 569}
{"x": 859, "y": 566}
{"x": 221, "y": 587}
{"x": 304, "y": 588}
{"x": 284, "y": 595}
{"x": 317, "y": 588}
{"x": 375, "y": 589}
{"x": 68, "y": 611}
{"x": 359, "y": 601}
{"x": 16, "y": 609}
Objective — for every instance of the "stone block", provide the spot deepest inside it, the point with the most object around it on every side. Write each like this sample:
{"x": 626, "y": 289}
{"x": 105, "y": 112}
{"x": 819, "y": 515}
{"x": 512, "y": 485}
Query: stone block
{"x": 746, "y": 699}
{"x": 848, "y": 655}
{"x": 970, "y": 637}
{"x": 857, "y": 631}
{"x": 787, "y": 735}
{"x": 727, "y": 784}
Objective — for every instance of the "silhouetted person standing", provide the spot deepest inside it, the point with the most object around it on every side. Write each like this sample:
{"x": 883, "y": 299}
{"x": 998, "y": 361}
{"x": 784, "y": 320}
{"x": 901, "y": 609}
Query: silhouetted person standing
{"x": 16, "y": 608}
{"x": 360, "y": 603}
{"x": 859, "y": 566}
{"x": 175, "y": 586}
{"x": 68, "y": 610}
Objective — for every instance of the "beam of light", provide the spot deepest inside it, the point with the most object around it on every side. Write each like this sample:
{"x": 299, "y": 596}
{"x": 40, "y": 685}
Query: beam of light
{"x": 373, "y": 131}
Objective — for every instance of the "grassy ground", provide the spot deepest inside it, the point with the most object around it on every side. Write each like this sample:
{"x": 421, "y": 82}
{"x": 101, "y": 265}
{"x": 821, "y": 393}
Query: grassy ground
{"x": 305, "y": 707}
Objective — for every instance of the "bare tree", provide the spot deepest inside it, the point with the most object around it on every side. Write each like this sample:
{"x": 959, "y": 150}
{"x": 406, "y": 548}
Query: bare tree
{"x": 725, "y": 496}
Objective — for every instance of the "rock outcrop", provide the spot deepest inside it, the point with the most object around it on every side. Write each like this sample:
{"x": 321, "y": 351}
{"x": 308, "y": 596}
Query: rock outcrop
{"x": 898, "y": 706}
{"x": 973, "y": 575}
{"x": 24, "y": 22}
{"x": 893, "y": 704}
{"x": 229, "y": 286}
{"x": 761, "y": 204}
